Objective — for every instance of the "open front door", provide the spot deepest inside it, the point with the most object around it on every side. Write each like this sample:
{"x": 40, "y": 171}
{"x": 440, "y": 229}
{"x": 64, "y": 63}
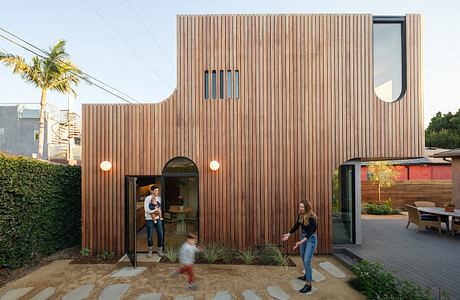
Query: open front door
{"x": 130, "y": 219}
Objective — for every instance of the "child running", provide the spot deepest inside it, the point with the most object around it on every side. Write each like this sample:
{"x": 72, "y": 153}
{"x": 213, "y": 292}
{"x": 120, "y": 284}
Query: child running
{"x": 187, "y": 258}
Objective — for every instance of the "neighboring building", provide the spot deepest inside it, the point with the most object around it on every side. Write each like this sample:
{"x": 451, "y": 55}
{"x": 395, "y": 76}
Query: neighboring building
{"x": 19, "y": 127}
{"x": 425, "y": 168}
{"x": 281, "y": 102}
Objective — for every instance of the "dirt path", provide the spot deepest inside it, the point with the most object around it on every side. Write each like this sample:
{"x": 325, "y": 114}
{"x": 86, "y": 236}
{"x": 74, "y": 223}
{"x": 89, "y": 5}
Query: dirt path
{"x": 209, "y": 278}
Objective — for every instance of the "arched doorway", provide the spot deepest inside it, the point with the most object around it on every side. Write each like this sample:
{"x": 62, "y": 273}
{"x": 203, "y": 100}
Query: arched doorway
{"x": 179, "y": 191}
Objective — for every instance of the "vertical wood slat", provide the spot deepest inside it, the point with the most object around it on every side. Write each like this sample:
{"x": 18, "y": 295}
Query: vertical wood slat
{"x": 306, "y": 105}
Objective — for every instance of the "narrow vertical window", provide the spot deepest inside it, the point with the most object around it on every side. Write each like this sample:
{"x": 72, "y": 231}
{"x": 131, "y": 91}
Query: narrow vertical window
{"x": 206, "y": 84}
{"x": 214, "y": 84}
{"x": 229, "y": 84}
{"x": 221, "y": 84}
{"x": 237, "y": 84}
{"x": 389, "y": 58}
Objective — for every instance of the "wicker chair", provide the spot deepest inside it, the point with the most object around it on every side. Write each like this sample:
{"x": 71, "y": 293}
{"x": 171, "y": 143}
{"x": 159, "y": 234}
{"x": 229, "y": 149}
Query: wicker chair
{"x": 424, "y": 204}
{"x": 444, "y": 219}
{"x": 415, "y": 218}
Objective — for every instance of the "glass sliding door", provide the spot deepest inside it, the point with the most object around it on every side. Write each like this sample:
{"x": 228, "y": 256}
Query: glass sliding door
{"x": 343, "y": 205}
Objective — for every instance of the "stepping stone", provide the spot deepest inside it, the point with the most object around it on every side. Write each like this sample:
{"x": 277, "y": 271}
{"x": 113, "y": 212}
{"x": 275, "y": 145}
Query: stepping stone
{"x": 150, "y": 296}
{"x": 333, "y": 270}
{"x": 114, "y": 292}
{"x": 128, "y": 272}
{"x": 79, "y": 293}
{"x": 184, "y": 298}
{"x": 223, "y": 295}
{"x": 16, "y": 293}
{"x": 45, "y": 294}
{"x": 277, "y": 293}
{"x": 297, "y": 284}
{"x": 317, "y": 276}
{"x": 250, "y": 295}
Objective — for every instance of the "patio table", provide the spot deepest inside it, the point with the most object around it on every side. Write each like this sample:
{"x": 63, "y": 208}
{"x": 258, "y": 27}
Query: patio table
{"x": 181, "y": 225}
{"x": 439, "y": 211}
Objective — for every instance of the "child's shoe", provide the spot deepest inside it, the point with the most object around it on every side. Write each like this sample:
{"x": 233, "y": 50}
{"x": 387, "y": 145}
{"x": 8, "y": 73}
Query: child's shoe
{"x": 174, "y": 273}
{"x": 192, "y": 286}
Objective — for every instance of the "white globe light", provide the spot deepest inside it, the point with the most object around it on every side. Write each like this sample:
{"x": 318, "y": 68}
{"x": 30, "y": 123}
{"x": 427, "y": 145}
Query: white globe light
{"x": 105, "y": 165}
{"x": 214, "y": 165}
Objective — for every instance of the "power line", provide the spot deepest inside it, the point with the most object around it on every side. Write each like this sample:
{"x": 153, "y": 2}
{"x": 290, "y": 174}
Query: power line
{"x": 64, "y": 62}
{"x": 76, "y": 74}
{"x": 128, "y": 44}
{"x": 150, "y": 33}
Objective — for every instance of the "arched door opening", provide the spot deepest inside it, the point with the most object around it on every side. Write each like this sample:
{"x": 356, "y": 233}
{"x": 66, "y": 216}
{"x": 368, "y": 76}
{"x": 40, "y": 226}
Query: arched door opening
{"x": 179, "y": 191}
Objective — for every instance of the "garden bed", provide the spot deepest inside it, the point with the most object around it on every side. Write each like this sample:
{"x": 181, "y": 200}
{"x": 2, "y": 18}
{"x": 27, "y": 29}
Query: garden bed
{"x": 266, "y": 255}
{"x": 95, "y": 260}
{"x": 235, "y": 261}
{"x": 104, "y": 257}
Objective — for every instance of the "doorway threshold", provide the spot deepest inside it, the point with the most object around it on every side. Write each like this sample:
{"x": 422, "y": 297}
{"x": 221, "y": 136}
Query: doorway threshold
{"x": 142, "y": 257}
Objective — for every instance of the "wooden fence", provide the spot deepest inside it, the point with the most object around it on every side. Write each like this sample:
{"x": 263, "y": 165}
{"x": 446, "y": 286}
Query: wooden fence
{"x": 408, "y": 191}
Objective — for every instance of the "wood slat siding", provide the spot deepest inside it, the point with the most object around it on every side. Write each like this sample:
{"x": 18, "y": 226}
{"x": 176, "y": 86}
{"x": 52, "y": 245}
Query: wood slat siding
{"x": 306, "y": 105}
{"x": 408, "y": 191}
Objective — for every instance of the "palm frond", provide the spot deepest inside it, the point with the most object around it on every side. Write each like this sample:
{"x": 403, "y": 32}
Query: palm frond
{"x": 30, "y": 73}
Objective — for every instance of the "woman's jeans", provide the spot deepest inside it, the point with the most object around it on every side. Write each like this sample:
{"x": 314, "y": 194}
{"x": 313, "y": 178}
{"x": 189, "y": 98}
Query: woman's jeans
{"x": 307, "y": 250}
{"x": 158, "y": 228}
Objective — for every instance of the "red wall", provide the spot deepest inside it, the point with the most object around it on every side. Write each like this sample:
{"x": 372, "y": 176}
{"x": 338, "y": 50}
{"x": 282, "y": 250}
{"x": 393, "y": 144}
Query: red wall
{"x": 418, "y": 172}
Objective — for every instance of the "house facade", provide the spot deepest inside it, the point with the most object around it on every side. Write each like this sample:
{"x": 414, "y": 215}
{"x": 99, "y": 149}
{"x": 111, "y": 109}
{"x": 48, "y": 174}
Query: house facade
{"x": 282, "y": 103}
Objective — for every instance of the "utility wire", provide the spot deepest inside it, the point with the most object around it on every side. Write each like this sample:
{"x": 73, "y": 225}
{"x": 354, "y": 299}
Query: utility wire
{"x": 128, "y": 44}
{"x": 76, "y": 74}
{"x": 64, "y": 62}
{"x": 150, "y": 33}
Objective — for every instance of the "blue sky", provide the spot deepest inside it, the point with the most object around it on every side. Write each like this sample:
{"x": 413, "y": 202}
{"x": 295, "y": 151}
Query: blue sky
{"x": 99, "y": 51}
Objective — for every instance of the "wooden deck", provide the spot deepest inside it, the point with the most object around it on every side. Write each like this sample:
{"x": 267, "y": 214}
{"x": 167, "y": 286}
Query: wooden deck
{"x": 425, "y": 257}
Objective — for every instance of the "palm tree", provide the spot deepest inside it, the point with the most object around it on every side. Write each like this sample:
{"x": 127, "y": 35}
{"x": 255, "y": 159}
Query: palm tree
{"x": 53, "y": 72}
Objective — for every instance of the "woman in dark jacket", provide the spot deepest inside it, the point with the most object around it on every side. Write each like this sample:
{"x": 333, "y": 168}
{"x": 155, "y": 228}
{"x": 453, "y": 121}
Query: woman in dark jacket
{"x": 307, "y": 220}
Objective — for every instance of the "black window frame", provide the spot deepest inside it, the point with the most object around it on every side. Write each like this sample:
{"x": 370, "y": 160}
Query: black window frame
{"x": 221, "y": 84}
{"x": 236, "y": 84}
{"x": 206, "y": 84}
{"x": 214, "y": 84}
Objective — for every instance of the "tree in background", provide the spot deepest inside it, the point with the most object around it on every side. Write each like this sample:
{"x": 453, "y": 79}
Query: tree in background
{"x": 383, "y": 174}
{"x": 444, "y": 131}
{"x": 53, "y": 72}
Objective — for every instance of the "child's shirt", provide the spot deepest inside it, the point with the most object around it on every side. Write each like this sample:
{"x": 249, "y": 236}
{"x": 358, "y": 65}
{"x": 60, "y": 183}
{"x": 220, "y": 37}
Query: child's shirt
{"x": 187, "y": 253}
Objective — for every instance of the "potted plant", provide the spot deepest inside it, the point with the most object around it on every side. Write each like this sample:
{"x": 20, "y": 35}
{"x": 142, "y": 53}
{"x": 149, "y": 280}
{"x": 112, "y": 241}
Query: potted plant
{"x": 449, "y": 206}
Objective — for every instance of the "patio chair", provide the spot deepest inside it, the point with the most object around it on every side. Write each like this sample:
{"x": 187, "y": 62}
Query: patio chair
{"x": 426, "y": 216}
{"x": 455, "y": 226}
{"x": 415, "y": 218}
{"x": 424, "y": 204}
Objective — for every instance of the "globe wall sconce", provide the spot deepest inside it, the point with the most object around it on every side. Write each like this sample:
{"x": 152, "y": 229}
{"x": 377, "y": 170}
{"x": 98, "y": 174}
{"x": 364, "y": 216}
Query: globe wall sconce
{"x": 214, "y": 165}
{"x": 105, "y": 166}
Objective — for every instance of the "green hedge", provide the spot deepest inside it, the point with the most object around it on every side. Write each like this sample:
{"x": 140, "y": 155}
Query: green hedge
{"x": 40, "y": 209}
{"x": 377, "y": 284}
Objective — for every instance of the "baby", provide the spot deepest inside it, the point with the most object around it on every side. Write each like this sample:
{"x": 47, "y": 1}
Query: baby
{"x": 156, "y": 215}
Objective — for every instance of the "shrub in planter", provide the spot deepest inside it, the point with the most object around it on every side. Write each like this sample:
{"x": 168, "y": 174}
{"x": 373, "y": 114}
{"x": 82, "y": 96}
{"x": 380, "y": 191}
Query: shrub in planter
{"x": 85, "y": 252}
{"x": 247, "y": 255}
{"x": 379, "y": 209}
{"x": 212, "y": 252}
{"x": 270, "y": 254}
{"x": 106, "y": 255}
{"x": 171, "y": 254}
{"x": 228, "y": 254}
{"x": 376, "y": 283}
